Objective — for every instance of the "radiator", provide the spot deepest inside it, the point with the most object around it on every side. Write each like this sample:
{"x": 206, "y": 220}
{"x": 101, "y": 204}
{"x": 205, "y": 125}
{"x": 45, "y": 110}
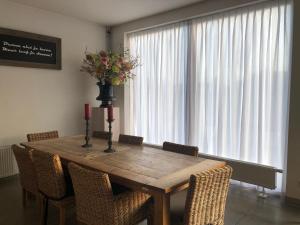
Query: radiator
{"x": 8, "y": 164}
{"x": 252, "y": 173}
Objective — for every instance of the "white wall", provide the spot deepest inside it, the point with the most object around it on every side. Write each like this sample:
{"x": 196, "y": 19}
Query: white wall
{"x": 34, "y": 100}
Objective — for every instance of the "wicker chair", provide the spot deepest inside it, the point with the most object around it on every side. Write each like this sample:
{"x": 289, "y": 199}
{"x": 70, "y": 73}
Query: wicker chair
{"x": 101, "y": 134}
{"x": 96, "y": 204}
{"x": 27, "y": 172}
{"x": 129, "y": 139}
{"x": 52, "y": 184}
{"x": 182, "y": 149}
{"x": 42, "y": 136}
{"x": 206, "y": 198}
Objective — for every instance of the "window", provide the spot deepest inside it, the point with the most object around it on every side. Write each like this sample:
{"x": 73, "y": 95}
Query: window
{"x": 220, "y": 82}
{"x": 159, "y": 89}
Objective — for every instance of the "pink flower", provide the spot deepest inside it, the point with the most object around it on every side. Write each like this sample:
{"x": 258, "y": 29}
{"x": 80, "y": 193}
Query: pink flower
{"x": 104, "y": 60}
{"x": 122, "y": 76}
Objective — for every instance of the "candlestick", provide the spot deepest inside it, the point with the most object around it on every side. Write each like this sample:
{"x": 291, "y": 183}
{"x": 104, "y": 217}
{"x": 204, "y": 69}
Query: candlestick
{"x": 87, "y": 116}
{"x": 87, "y": 137}
{"x": 109, "y": 149}
{"x": 110, "y": 119}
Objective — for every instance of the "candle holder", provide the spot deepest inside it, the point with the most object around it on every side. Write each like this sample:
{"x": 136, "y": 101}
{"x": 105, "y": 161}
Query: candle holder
{"x": 109, "y": 149}
{"x": 87, "y": 137}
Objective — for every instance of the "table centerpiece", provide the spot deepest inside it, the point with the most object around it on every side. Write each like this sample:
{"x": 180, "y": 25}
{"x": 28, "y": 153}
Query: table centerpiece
{"x": 110, "y": 69}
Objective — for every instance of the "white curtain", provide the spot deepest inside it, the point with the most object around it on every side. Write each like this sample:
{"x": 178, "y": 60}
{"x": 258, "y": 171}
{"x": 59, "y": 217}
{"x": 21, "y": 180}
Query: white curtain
{"x": 240, "y": 72}
{"x": 158, "y": 93}
{"x": 220, "y": 82}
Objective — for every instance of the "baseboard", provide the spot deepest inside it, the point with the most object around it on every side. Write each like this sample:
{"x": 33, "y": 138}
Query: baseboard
{"x": 292, "y": 201}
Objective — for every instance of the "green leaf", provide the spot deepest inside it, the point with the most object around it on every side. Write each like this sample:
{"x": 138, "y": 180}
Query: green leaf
{"x": 115, "y": 81}
{"x": 115, "y": 69}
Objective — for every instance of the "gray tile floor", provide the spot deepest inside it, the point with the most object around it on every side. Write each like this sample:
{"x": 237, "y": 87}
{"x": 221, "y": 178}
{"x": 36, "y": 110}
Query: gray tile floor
{"x": 243, "y": 208}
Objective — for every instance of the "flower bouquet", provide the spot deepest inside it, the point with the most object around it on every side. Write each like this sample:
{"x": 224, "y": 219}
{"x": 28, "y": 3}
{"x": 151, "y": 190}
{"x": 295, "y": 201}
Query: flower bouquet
{"x": 111, "y": 69}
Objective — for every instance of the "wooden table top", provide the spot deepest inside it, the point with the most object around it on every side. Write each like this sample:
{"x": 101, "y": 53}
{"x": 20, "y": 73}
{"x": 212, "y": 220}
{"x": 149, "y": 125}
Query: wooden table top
{"x": 140, "y": 167}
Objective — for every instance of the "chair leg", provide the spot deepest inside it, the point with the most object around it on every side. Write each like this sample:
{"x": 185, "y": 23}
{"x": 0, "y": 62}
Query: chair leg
{"x": 24, "y": 197}
{"x": 38, "y": 202}
{"x": 44, "y": 210}
{"x": 149, "y": 221}
{"x": 62, "y": 216}
{"x": 30, "y": 196}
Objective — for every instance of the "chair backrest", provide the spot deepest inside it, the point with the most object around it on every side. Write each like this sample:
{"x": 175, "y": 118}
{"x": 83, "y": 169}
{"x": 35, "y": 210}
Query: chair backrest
{"x": 130, "y": 139}
{"x": 50, "y": 175}
{"x": 182, "y": 149}
{"x": 93, "y": 195}
{"x": 101, "y": 134}
{"x": 42, "y": 136}
{"x": 26, "y": 168}
{"x": 206, "y": 198}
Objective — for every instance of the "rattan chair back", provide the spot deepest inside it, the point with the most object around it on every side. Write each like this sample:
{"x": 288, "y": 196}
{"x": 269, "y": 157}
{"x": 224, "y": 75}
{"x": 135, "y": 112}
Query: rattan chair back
{"x": 182, "y": 149}
{"x": 130, "y": 139}
{"x": 101, "y": 134}
{"x": 93, "y": 195}
{"x": 42, "y": 136}
{"x": 206, "y": 198}
{"x": 50, "y": 175}
{"x": 26, "y": 168}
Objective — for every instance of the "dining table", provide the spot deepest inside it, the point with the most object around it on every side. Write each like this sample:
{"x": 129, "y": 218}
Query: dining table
{"x": 142, "y": 168}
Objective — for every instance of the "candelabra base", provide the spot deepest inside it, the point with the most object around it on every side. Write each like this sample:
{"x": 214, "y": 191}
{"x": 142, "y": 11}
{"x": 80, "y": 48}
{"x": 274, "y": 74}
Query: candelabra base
{"x": 86, "y": 145}
{"x": 109, "y": 150}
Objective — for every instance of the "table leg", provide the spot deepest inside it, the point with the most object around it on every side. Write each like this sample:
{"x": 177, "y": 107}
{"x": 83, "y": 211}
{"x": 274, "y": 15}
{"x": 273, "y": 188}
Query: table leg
{"x": 161, "y": 209}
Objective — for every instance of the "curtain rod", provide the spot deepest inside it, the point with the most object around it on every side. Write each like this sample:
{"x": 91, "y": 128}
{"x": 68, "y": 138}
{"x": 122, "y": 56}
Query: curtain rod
{"x": 200, "y": 15}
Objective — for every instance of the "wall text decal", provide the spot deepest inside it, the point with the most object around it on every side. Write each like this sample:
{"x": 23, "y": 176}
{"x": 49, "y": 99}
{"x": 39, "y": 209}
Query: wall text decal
{"x": 18, "y": 48}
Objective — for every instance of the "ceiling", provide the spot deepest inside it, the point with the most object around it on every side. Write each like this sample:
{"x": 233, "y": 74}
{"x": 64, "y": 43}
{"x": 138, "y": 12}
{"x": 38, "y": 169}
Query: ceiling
{"x": 107, "y": 12}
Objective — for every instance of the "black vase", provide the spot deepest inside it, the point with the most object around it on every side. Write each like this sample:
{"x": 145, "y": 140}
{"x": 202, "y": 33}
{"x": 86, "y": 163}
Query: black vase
{"x": 106, "y": 95}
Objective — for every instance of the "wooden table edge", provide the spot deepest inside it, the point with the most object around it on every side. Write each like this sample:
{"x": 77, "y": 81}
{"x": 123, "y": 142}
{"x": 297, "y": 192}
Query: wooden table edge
{"x": 147, "y": 188}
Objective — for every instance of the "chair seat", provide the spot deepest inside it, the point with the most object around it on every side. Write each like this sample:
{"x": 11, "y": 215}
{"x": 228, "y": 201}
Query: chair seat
{"x": 65, "y": 202}
{"x": 130, "y": 208}
{"x": 96, "y": 204}
{"x": 134, "y": 206}
{"x": 52, "y": 184}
